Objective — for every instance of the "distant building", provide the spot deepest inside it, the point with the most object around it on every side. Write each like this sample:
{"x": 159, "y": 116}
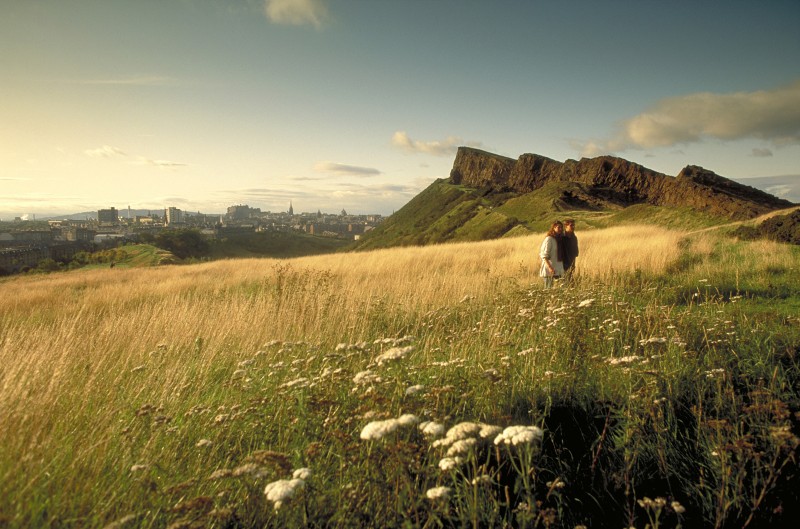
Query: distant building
{"x": 108, "y": 216}
{"x": 242, "y": 212}
{"x": 174, "y": 216}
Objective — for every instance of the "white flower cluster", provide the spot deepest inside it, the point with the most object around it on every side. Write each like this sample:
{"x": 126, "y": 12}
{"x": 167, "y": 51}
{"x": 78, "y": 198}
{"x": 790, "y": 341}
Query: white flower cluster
{"x": 394, "y": 342}
{"x": 623, "y": 360}
{"x": 364, "y": 378}
{"x": 517, "y": 435}
{"x": 438, "y": 493}
{"x": 449, "y": 463}
{"x": 283, "y": 490}
{"x": 393, "y": 354}
{"x": 467, "y": 430}
{"x": 413, "y": 390}
{"x": 379, "y": 429}
{"x": 431, "y": 429}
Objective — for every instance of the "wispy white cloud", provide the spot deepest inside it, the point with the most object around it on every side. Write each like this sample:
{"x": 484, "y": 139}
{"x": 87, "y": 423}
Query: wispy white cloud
{"x": 339, "y": 169}
{"x": 769, "y": 115}
{"x": 445, "y": 147}
{"x": 132, "y": 80}
{"x": 106, "y": 151}
{"x": 297, "y": 12}
{"x": 161, "y": 164}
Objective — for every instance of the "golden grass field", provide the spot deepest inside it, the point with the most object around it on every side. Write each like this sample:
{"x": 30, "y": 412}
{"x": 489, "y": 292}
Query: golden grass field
{"x": 74, "y": 346}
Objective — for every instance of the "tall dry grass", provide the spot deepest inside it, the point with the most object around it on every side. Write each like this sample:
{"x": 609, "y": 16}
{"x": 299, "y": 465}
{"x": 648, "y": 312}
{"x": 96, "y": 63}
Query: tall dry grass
{"x": 68, "y": 342}
{"x": 76, "y": 347}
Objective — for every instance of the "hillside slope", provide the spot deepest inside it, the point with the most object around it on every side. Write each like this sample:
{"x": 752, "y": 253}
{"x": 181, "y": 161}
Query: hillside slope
{"x": 489, "y": 196}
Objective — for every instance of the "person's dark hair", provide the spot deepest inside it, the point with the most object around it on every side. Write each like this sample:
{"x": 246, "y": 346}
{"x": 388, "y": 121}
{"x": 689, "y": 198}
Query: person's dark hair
{"x": 552, "y": 231}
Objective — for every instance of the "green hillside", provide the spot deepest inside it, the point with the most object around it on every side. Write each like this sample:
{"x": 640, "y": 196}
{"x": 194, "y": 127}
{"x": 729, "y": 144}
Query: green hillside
{"x": 445, "y": 212}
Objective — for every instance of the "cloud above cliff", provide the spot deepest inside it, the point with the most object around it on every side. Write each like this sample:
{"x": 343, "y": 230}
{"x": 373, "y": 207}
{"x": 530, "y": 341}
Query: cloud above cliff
{"x": 297, "y": 12}
{"x": 130, "y": 80}
{"x": 339, "y": 169}
{"x": 445, "y": 147}
{"x": 768, "y": 115}
{"x": 106, "y": 151}
{"x": 109, "y": 151}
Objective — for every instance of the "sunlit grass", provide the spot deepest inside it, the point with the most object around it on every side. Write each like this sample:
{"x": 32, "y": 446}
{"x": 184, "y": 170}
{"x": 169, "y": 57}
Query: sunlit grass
{"x": 173, "y": 395}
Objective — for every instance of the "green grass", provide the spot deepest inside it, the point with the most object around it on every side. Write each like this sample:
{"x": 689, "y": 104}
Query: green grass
{"x": 684, "y": 387}
{"x": 445, "y": 212}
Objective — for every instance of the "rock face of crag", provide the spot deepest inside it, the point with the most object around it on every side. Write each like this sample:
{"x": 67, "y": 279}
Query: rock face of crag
{"x": 630, "y": 183}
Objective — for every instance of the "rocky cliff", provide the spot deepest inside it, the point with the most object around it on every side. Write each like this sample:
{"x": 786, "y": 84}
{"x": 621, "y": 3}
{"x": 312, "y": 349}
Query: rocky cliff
{"x": 628, "y": 182}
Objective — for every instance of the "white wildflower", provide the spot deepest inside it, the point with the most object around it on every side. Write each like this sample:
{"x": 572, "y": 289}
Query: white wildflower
{"x": 138, "y": 468}
{"x": 449, "y": 463}
{"x": 395, "y": 353}
{"x": 623, "y": 360}
{"x": 366, "y": 377}
{"x": 202, "y": 443}
{"x": 653, "y": 340}
{"x": 462, "y": 446}
{"x": 407, "y": 419}
{"x": 282, "y": 490}
{"x": 301, "y": 382}
{"x": 413, "y": 390}
{"x": 489, "y": 431}
{"x": 463, "y": 430}
{"x": 516, "y": 435}
{"x": 432, "y": 429}
{"x": 677, "y": 507}
{"x": 480, "y": 480}
{"x": 585, "y": 303}
{"x": 378, "y": 429}
{"x": 438, "y": 493}
{"x": 302, "y": 473}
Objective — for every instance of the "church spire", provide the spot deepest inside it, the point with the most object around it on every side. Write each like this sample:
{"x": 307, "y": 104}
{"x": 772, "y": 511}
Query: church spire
{"x": 291, "y": 210}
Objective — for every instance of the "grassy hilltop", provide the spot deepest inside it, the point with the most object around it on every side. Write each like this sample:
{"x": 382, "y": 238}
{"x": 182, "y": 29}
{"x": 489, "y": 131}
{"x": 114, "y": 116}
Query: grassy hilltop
{"x": 434, "y": 386}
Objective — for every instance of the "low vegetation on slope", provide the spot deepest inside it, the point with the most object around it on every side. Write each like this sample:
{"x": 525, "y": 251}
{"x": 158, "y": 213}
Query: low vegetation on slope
{"x": 451, "y": 213}
{"x": 435, "y": 386}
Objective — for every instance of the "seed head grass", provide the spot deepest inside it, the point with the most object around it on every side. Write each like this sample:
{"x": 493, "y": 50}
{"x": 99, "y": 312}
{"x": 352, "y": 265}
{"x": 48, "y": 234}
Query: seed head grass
{"x": 441, "y": 386}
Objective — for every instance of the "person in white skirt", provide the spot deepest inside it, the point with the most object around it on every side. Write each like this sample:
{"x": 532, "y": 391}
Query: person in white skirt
{"x": 552, "y": 255}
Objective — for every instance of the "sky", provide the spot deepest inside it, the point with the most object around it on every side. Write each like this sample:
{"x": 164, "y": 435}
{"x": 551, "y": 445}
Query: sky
{"x": 361, "y": 104}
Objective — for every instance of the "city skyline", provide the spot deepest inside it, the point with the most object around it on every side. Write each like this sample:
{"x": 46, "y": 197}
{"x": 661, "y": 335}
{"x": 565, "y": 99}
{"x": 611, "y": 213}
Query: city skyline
{"x": 200, "y": 104}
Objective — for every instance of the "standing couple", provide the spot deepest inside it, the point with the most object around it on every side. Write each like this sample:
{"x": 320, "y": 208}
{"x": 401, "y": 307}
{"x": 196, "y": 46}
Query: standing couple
{"x": 558, "y": 252}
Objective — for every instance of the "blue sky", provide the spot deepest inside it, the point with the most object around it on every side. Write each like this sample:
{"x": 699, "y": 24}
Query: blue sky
{"x": 359, "y": 105}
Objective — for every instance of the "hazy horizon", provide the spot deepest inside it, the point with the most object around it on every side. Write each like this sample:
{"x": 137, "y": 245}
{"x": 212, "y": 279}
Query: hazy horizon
{"x": 786, "y": 187}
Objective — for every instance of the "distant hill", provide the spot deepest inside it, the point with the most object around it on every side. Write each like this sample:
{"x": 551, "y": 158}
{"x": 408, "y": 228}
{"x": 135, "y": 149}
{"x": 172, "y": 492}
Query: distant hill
{"x": 489, "y": 196}
{"x": 122, "y": 213}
